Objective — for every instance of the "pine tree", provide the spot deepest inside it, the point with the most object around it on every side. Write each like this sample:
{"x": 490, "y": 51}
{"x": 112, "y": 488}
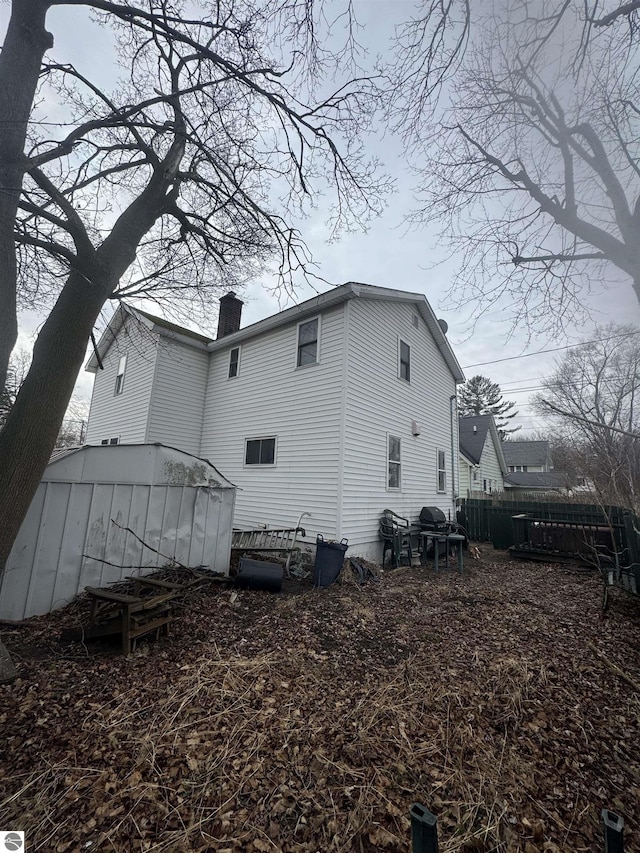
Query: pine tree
{"x": 481, "y": 396}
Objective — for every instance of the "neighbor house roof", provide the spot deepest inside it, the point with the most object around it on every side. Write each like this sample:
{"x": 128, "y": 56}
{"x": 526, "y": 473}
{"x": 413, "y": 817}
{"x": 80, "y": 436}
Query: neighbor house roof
{"x": 526, "y": 452}
{"x": 343, "y": 293}
{"x": 472, "y": 435}
{"x": 536, "y": 480}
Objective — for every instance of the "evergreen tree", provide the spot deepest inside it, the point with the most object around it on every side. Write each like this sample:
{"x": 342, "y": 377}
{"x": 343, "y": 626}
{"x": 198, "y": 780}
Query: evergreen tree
{"x": 481, "y": 396}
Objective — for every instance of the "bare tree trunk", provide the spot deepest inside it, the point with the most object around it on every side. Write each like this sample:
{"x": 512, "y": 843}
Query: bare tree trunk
{"x": 29, "y": 435}
{"x": 20, "y": 60}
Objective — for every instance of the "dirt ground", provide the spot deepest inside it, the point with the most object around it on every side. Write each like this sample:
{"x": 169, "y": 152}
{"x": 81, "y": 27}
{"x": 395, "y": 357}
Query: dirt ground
{"x": 311, "y": 720}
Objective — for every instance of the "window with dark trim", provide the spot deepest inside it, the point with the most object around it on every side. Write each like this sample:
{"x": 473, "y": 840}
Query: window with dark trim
{"x": 260, "y": 451}
{"x": 405, "y": 361}
{"x": 442, "y": 471}
{"x": 308, "y": 343}
{"x": 122, "y": 364}
{"x": 234, "y": 362}
{"x": 394, "y": 463}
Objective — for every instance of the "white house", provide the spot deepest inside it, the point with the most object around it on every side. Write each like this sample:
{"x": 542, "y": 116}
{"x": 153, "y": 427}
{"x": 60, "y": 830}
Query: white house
{"x": 341, "y": 406}
{"x": 482, "y": 462}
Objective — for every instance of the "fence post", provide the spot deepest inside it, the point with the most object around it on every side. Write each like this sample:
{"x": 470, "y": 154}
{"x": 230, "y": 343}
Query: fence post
{"x": 613, "y": 826}
{"x": 424, "y": 832}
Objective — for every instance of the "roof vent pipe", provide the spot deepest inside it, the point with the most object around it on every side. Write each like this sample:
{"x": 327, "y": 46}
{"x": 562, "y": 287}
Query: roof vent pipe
{"x": 475, "y": 428}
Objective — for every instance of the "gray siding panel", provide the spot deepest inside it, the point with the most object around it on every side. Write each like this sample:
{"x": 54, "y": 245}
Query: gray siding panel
{"x": 124, "y": 415}
{"x": 177, "y": 406}
{"x": 301, "y": 406}
{"x": 380, "y": 403}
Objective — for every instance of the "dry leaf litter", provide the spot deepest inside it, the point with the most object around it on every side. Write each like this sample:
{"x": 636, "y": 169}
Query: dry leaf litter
{"x": 310, "y": 721}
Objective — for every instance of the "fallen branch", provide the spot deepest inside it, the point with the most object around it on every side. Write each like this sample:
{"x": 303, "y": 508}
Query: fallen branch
{"x": 150, "y": 547}
{"x": 614, "y": 667}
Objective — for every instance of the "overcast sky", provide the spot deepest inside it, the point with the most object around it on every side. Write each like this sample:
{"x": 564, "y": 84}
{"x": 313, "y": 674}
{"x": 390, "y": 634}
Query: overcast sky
{"x": 388, "y": 255}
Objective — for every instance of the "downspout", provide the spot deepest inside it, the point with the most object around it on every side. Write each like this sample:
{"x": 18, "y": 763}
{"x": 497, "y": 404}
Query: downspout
{"x": 453, "y": 413}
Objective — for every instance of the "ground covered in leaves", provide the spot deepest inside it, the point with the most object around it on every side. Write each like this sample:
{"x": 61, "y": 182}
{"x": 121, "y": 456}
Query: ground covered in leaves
{"x": 311, "y": 720}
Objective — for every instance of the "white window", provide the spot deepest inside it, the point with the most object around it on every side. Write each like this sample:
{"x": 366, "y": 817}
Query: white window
{"x": 115, "y": 440}
{"x": 394, "y": 464}
{"x": 122, "y": 364}
{"x": 234, "y": 362}
{"x": 404, "y": 367}
{"x": 260, "y": 451}
{"x": 442, "y": 471}
{"x": 308, "y": 337}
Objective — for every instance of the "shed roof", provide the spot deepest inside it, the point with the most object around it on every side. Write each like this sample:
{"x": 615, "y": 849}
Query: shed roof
{"x": 155, "y": 464}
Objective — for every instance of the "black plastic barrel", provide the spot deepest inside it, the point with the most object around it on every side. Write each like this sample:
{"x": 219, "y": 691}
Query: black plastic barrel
{"x": 329, "y": 560}
{"x": 259, "y": 574}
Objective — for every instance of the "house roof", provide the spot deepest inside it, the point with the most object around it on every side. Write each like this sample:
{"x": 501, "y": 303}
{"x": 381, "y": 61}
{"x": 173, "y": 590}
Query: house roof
{"x": 526, "y": 452}
{"x": 173, "y": 327}
{"x": 472, "y": 435}
{"x": 148, "y": 321}
{"x": 536, "y": 480}
{"x": 343, "y": 293}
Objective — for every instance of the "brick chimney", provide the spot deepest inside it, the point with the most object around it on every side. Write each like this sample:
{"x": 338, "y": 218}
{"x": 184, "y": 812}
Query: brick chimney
{"x": 230, "y": 314}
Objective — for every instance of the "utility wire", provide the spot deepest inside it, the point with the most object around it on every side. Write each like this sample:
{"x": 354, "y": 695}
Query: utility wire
{"x": 554, "y": 349}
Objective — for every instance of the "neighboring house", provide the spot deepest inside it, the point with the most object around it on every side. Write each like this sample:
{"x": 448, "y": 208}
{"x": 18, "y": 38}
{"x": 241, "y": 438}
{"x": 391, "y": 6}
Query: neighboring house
{"x": 482, "y": 463}
{"x": 527, "y": 456}
{"x": 341, "y": 406}
{"x": 525, "y": 482}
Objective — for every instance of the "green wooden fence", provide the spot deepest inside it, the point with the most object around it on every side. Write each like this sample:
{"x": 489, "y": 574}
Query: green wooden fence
{"x": 490, "y": 520}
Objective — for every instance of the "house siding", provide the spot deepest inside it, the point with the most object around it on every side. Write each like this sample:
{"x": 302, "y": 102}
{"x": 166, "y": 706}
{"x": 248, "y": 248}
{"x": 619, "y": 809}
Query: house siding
{"x": 490, "y": 468}
{"x": 177, "y": 403}
{"x": 270, "y": 396}
{"x": 379, "y": 403}
{"x": 124, "y": 416}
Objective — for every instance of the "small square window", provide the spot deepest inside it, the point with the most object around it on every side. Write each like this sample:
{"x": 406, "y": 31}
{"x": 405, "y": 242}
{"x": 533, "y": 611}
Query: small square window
{"x": 394, "y": 464}
{"x": 442, "y": 471}
{"x": 405, "y": 361}
{"x": 308, "y": 343}
{"x": 260, "y": 451}
{"x": 234, "y": 362}
{"x": 122, "y": 364}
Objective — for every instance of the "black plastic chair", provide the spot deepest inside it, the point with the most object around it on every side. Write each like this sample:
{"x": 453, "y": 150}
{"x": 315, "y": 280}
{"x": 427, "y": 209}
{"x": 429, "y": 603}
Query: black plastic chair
{"x": 395, "y": 532}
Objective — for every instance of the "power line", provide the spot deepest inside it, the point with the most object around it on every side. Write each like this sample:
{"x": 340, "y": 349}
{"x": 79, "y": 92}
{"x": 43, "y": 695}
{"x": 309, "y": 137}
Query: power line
{"x": 554, "y": 349}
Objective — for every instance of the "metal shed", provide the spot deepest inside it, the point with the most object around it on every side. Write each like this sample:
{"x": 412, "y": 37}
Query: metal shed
{"x": 102, "y": 513}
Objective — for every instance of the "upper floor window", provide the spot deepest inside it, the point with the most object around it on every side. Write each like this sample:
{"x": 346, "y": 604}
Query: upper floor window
{"x": 394, "y": 462}
{"x": 122, "y": 365}
{"x": 442, "y": 471}
{"x": 514, "y": 468}
{"x": 308, "y": 342}
{"x": 405, "y": 361}
{"x": 234, "y": 362}
{"x": 260, "y": 451}
{"x": 109, "y": 441}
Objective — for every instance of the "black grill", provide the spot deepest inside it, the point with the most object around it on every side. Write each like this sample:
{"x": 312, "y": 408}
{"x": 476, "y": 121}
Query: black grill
{"x": 432, "y": 518}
